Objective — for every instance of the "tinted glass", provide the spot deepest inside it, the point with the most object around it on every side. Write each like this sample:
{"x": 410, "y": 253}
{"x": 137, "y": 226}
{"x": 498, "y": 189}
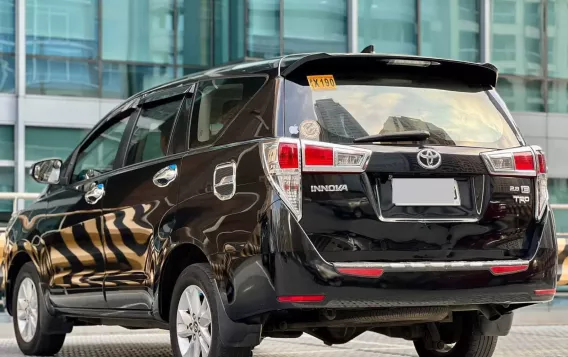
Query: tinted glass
{"x": 310, "y": 26}
{"x": 557, "y": 51}
{"x": 6, "y": 142}
{"x": 450, "y": 29}
{"x": 139, "y": 31}
{"x": 389, "y": 25}
{"x": 521, "y": 95}
{"x": 7, "y": 26}
{"x": 516, "y": 42}
{"x": 33, "y": 186}
{"x": 558, "y": 191}
{"x": 6, "y": 185}
{"x": 99, "y": 155}
{"x": 42, "y": 143}
{"x": 216, "y": 105}
{"x": 229, "y": 31}
{"x": 263, "y": 28}
{"x": 194, "y": 32}
{"x": 558, "y": 96}
{"x": 365, "y": 104}
{"x": 62, "y": 28}
{"x": 152, "y": 132}
{"x": 7, "y": 73}
{"x": 123, "y": 80}
{"x": 62, "y": 77}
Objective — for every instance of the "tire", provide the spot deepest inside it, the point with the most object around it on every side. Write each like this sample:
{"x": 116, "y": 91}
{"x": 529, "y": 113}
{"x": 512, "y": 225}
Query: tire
{"x": 197, "y": 281}
{"x": 32, "y": 341}
{"x": 471, "y": 343}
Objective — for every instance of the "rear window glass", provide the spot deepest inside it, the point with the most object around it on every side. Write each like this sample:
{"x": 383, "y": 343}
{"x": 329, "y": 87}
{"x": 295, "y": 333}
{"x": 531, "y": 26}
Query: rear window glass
{"x": 362, "y": 104}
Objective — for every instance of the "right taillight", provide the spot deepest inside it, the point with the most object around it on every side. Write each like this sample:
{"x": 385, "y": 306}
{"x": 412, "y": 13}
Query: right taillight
{"x": 525, "y": 161}
{"x": 541, "y": 182}
{"x": 512, "y": 162}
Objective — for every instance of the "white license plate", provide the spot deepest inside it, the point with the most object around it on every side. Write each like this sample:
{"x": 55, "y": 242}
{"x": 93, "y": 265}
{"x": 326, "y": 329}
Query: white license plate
{"x": 425, "y": 192}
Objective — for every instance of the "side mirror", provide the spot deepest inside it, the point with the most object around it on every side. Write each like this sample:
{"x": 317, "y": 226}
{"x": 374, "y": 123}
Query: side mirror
{"x": 46, "y": 171}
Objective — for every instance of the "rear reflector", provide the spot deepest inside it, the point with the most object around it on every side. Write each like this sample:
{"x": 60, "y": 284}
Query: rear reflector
{"x": 545, "y": 292}
{"x": 363, "y": 272}
{"x": 301, "y": 298}
{"x": 318, "y": 155}
{"x": 288, "y": 155}
{"x": 508, "y": 269}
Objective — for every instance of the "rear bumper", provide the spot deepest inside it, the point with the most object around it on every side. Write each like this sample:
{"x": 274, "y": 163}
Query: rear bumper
{"x": 293, "y": 267}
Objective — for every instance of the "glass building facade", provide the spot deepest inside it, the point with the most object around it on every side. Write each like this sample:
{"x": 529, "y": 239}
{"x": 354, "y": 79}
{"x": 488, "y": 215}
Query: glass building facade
{"x": 103, "y": 50}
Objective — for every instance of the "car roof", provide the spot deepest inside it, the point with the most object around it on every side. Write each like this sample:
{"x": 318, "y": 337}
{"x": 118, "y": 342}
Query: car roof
{"x": 285, "y": 64}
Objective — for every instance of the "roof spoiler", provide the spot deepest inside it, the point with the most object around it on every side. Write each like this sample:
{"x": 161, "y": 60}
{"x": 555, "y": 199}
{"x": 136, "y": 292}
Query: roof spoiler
{"x": 470, "y": 72}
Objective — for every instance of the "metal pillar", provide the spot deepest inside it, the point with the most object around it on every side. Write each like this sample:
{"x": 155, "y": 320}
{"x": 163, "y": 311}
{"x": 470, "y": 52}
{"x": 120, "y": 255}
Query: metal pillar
{"x": 485, "y": 31}
{"x": 19, "y": 125}
{"x": 353, "y": 26}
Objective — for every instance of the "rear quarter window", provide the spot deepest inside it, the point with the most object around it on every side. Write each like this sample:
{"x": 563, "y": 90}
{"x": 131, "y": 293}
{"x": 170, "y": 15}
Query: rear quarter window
{"x": 217, "y": 103}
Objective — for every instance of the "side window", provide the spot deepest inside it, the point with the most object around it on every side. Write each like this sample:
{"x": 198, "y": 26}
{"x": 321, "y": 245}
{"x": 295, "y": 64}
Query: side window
{"x": 217, "y": 102}
{"x": 151, "y": 134}
{"x": 99, "y": 155}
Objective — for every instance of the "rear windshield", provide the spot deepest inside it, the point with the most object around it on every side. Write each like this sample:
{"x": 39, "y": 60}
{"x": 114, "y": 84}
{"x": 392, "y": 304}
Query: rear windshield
{"x": 354, "y": 104}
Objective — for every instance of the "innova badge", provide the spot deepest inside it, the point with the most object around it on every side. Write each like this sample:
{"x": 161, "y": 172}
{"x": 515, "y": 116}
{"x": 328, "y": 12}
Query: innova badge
{"x": 429, "y": 159}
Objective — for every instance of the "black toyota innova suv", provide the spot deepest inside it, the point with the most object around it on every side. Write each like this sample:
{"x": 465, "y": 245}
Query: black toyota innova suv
{"x": 326, "y": 194}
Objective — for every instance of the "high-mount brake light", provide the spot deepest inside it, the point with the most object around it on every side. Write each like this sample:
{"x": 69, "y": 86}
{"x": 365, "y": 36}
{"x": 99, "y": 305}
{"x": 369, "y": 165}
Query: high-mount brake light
{"x": 285, "y": 159}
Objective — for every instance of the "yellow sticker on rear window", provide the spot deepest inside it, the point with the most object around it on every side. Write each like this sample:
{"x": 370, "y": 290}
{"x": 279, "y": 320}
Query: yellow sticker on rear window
{"x": 325, "y": 82}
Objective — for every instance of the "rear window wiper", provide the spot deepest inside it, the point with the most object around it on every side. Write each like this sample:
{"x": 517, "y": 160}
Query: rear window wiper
{"x": 414, "y": 135}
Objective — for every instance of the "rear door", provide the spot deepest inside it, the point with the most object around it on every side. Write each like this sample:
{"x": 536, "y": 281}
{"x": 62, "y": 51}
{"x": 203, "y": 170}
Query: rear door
{"x": 139, "y": 202}
{"x": 467, "y": 192}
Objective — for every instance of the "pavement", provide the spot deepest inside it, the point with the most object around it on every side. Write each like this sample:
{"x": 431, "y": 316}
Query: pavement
{"x": 539, "y": 331}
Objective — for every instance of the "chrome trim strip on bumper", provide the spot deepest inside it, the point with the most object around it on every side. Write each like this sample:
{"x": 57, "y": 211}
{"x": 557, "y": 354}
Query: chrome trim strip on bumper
{"x": 433, "y": 266}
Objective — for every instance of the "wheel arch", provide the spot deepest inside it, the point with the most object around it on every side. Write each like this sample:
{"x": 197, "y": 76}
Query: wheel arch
{"x": 16, "y": 264}
{"x": 179, "y": 258}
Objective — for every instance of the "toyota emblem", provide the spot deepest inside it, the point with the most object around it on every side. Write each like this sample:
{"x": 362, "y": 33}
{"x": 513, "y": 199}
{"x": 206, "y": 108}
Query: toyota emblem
{"x": 429, "y": 159}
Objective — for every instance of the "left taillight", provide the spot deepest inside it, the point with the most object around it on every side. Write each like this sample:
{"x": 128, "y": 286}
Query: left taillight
{"x": 285, "y": 159}
{"x": 282, "y": 163}
{"x": 527, "y": 162}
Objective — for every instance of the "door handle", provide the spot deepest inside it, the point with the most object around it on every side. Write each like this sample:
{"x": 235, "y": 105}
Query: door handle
{"x": 166, "y": 175}
{"x": 95, "y": 193}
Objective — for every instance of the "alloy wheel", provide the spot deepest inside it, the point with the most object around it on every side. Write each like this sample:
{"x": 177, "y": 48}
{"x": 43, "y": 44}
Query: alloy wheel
{"x": 194, "y": 327}
{"x": 27, "y": 309}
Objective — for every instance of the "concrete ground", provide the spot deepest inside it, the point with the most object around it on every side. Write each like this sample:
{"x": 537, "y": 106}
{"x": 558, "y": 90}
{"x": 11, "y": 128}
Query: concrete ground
{"x": 539, "y": 331}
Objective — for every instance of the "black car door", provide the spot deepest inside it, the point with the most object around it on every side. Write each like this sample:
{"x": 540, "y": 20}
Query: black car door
{"x": 139, "y": 202}
{"x": 73, "y": 221}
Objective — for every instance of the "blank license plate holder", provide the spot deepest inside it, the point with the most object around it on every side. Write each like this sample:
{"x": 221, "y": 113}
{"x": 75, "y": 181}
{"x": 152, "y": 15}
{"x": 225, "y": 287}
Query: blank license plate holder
{"x": 425, "y": 192}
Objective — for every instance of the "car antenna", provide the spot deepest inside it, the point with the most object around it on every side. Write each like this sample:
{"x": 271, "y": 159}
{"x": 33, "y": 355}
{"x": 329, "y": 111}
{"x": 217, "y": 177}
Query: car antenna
{"x": 369, "y": 49}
